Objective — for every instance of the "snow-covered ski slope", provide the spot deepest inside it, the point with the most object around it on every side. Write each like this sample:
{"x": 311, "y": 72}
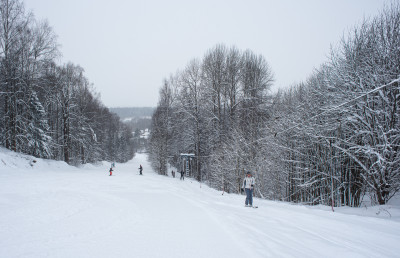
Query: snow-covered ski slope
{"x": 53, "y": 210}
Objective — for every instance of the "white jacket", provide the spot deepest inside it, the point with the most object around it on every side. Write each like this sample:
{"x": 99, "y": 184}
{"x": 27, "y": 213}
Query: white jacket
{"x": 248, "y": 182}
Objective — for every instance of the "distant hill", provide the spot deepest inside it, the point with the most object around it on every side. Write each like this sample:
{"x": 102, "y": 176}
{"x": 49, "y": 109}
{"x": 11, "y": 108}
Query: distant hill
{"x": 133, "y": 112}
{"x": 135, "y": 117}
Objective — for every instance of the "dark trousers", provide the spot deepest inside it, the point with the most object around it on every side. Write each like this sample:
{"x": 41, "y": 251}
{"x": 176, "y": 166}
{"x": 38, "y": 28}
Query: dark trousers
{"x": 249, "y": 196}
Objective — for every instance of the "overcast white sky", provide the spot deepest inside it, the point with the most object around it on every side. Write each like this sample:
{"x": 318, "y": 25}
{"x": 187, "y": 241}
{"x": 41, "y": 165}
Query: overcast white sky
{"x": 127, "y": 47}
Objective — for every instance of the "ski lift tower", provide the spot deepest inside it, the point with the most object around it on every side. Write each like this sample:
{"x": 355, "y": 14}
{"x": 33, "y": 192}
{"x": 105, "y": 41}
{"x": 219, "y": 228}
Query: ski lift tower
{"x": 187, "y": 157}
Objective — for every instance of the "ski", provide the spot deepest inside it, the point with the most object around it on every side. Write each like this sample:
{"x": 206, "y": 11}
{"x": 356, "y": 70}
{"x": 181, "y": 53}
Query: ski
{"x": 248, "y": 206}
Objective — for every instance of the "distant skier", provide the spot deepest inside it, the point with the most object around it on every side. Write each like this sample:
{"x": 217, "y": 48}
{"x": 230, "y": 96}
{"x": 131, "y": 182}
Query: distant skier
{"x": 182, "y": 175}
{"x": 140, "y": 169}
{"x": 248, "y": 186}
{"x": 173, "y": 174}
{"x": 111, "y": 170}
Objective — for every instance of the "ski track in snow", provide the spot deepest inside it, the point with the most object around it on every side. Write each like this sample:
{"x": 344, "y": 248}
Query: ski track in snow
{"x": 61, "y": 211}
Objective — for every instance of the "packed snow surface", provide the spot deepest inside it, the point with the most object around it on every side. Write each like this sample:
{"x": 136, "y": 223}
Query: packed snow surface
{"x": 50, "y": 209}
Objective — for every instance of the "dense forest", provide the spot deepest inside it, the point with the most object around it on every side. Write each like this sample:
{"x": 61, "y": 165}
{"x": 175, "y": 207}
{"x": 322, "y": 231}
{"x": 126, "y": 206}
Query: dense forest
{"x": 49, "y": 110}
{"x": 331, "y": 139}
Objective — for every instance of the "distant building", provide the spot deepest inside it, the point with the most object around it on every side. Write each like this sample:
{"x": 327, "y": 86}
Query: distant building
{"x": 141, "y": 139}
{"x": 144, "y": 134}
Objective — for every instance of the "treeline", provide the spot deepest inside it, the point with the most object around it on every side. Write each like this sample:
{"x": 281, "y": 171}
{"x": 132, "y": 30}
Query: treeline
{"x": 329, "y": 140}
{"x": 49, "y": 110}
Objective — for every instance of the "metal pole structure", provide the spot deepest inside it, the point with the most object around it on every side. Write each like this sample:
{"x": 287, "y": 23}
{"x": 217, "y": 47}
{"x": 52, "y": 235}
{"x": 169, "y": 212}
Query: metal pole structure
{"x": 187, "y": 166}
{"x": 187, "y": 157}
{"x": 331, "y": 169}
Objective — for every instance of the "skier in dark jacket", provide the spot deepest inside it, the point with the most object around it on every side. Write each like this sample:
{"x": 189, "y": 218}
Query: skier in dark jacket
{"x": 140, "y": 169}
{"x": 111, "y": 170}
{"x": 182, "y": 175}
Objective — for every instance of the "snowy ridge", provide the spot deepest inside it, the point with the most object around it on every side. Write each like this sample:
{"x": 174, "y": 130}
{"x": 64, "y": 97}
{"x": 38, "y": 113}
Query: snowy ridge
{"x": 55, "y": 213}
{"x": 12, "y": 160}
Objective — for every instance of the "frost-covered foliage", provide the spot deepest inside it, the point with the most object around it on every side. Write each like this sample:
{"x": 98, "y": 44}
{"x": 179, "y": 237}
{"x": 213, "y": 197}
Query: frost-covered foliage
{"x": 329, "y": 140}
{"x": 47, "y": 110}
{"x": 345, "y": 118}
{"x": 214, "y": 108}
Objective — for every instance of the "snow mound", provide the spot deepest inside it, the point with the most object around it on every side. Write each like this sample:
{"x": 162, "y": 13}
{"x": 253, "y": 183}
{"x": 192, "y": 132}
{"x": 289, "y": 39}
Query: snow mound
{"x": 10, "y": 160}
